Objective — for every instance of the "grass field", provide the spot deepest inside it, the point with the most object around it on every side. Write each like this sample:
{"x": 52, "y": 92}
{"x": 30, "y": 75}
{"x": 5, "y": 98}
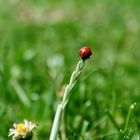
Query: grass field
{"x": 39, "y": 44}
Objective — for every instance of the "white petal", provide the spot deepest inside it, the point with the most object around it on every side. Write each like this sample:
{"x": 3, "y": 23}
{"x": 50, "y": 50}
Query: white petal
{"x": 26, "y": 123}
{"x": 13, "y": 132}
{"x": 15, "y": 125}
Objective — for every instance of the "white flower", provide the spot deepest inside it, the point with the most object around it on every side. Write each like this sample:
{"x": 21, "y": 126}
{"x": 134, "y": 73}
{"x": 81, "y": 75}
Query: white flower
{"x": 22, "y": 130}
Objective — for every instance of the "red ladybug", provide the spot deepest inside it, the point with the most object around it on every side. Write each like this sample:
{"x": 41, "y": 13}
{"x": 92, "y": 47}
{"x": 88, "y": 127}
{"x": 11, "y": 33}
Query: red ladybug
{"x": 85, "y": 53}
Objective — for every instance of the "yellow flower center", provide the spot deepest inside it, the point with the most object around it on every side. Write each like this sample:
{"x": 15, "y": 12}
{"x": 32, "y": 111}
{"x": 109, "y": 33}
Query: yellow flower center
{"x": 21, "y": 129}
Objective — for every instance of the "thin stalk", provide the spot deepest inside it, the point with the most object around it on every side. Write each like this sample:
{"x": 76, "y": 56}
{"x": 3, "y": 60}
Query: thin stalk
{"x": 63, "y": 127}
{"x": 129, "y": 117}
{"x": 128, "y": 122}
{"x": 56, "y": 122}
{"x": 61, "y": 106}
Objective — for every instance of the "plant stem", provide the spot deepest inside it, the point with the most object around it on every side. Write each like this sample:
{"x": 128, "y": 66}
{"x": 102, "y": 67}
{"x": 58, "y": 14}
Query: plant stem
{"x": 56, "y": 122}
{"x": 128, "y": 121}
{"x": 129, "y": 117}
{"x": 61, "y": 106}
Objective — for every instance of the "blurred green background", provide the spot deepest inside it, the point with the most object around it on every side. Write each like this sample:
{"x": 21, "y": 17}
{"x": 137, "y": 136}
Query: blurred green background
{"x": 39, "y": 44}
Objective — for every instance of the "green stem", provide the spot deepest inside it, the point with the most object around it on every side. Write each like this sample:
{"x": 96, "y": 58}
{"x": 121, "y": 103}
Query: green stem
{"x": 128, "y": 122}
{"x": 56, "y": 122}
{"x": 61, "y": 107}
{"x": 129, "y": 117}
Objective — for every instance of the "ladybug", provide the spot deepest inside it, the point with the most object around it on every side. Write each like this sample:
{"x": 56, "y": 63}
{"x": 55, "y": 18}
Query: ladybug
{"x": 85, "y": 53}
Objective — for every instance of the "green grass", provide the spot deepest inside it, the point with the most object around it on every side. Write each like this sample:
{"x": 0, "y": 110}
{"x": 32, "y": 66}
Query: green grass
{"x": 35, "y": 34}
